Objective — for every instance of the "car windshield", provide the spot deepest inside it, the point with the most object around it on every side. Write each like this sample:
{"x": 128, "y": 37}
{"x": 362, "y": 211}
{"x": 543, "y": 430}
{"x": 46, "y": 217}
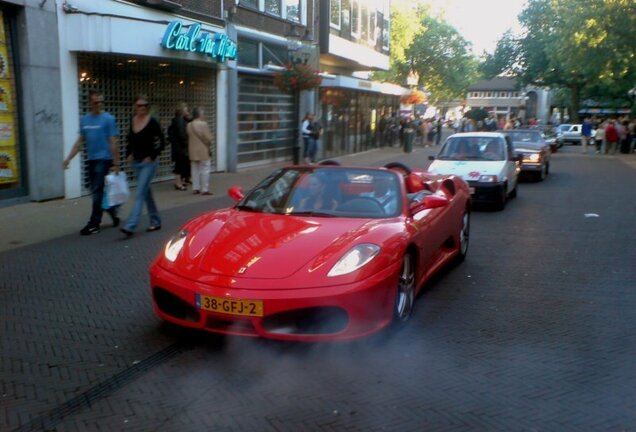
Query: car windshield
{"x": 482, "y": 148}
{"x": 327, "y": 192}
{"x": 522, "y": 137}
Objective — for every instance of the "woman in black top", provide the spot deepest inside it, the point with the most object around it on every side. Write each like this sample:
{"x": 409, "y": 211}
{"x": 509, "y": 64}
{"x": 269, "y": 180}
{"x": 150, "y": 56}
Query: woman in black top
{"x": 145, "y": 143}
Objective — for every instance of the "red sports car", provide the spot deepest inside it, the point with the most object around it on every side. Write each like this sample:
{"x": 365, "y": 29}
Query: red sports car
{"x": 313, "y": 253}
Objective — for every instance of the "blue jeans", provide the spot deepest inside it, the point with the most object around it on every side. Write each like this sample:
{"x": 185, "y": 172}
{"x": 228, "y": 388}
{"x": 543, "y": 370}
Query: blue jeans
{"x": 309, "y": 152}
{"x": 144, "y": 171}
{"x": 98, "y": 169}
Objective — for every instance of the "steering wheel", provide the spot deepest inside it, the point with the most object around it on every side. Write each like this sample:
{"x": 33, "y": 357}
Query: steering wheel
{"x": 398, "y": 166}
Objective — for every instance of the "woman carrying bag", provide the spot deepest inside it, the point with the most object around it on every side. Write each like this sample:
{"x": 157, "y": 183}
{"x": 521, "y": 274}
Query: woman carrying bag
{"x": 145, "y": 143}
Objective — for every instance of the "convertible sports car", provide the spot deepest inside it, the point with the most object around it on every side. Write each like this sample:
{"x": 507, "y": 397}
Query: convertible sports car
{"x": 313, "y": 253}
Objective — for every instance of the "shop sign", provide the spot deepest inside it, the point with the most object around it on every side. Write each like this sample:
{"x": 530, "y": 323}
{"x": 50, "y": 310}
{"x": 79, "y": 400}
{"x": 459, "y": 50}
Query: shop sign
{"x": 215, "y": 45}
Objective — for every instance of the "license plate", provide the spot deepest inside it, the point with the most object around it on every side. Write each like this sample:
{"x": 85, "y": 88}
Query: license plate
{"x": 230, "y": 306}
{"x": 471, "y": 190}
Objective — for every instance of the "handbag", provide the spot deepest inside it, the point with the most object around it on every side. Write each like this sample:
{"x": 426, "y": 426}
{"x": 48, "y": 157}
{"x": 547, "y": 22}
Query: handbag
{"x": 117, "y": 191}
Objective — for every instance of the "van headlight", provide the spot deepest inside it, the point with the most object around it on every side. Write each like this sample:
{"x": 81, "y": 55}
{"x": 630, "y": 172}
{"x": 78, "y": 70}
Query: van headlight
{"x": 488, "y": 178}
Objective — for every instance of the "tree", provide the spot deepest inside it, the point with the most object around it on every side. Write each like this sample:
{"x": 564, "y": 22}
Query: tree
{"x": 433, "y": 49}
{"x": 586, "y": 49}
{"x": 442, "y": 58}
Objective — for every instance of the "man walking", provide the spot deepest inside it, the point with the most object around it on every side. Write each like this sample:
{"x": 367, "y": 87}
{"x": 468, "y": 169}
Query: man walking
{"x": 98, "y": 131}
{"x": 586, "y": 134}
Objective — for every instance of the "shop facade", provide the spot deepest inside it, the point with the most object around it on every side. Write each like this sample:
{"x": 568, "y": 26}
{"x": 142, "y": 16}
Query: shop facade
{"x": 266, "y": 117}
{"x": 30, "y": 121}
{"x": 351, "y": 113}
{"x": 124, "y": 50}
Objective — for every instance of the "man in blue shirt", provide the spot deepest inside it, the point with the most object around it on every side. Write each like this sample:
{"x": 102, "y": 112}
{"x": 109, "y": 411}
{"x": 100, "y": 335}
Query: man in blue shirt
{"x": 586, "y": 133}
{"x": 98, "y": 131}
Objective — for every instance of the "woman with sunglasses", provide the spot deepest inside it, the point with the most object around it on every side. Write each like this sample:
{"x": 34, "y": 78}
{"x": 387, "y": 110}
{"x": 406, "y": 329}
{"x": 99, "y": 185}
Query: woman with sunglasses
{"x": 145, "y": 143}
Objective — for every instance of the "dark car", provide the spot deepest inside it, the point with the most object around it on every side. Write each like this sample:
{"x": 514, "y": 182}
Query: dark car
{"x": 535, "y": 150}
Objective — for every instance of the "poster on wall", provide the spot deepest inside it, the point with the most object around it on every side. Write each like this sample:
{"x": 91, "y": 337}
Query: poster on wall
{"x": 6, "y": 105}
{"x": 8, "y": 123}
{"x": 8, "y": 167}
{"x": 4, "y": 62}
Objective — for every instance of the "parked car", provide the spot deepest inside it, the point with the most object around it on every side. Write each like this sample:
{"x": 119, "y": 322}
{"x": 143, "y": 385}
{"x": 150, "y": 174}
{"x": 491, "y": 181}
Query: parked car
{"x": 486, "y": 160}
{"x": 535, "y": 151}
{"x": 278, "y": 265}
{"x": 571, "y": 133}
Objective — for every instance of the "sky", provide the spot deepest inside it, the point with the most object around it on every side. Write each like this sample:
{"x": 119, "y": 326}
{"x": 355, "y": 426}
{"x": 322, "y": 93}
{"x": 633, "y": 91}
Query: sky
{"x": 481, "y": 22}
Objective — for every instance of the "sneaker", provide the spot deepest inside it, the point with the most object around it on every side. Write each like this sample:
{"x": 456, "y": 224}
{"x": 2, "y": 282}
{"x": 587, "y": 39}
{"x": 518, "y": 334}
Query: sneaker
{"x": 89, "y": 229}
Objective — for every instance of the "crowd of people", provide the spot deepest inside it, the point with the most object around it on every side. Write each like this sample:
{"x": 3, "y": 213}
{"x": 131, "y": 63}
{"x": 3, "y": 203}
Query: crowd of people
{"x": 609, "y": 135}
{"x": 188, "y": 134}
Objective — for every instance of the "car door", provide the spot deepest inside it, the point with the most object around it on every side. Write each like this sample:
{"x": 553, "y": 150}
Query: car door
{"x": 511, "y": 166}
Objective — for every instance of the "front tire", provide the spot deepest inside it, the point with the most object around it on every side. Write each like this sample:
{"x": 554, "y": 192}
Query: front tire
{"x": 464, "y": 237}
{"x": 405, "y": 293}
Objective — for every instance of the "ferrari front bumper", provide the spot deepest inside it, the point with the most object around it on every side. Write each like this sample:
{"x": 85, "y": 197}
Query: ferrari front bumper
{"x": 336, "y": 312}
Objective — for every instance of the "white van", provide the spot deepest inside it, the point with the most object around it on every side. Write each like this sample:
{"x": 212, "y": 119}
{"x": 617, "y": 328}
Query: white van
{"x": 485, "y": 160}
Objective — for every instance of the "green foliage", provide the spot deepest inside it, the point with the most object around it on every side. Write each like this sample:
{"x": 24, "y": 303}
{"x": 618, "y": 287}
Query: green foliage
{"x": 432, "y": 48}
{"x": 586, "y": 49}
{"x": 476, "y": 114}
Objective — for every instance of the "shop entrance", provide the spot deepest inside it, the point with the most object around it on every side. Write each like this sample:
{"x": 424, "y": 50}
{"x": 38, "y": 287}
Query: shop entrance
{"x": 165, "y": 82}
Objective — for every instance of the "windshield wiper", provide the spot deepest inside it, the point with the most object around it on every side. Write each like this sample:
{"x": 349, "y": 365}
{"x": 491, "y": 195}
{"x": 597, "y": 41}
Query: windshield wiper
{"x": 246, "y": 208}
{"x": 311, "y": 213}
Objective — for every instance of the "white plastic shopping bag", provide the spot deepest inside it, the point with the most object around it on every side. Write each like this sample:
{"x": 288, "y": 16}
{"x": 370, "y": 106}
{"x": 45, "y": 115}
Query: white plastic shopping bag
{"x": 117, "y": 191}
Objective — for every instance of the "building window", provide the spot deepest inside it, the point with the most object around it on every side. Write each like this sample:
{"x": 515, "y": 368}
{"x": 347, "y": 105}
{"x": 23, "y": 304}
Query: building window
{"x": 385, "y": 32}
{"x": 293, "y": 10}
{"x": 274, "y": 54}
{"x": 372, "y": 26}
{"x": 250, "y": 3}
{"x": 273, "y": 7}
{"x": 248, "y": 53}
{"x": 364, "y": 21}
{"x": 345, "y": 22}
{"x": 489, "y": 94}
{"x": 355, "y": 18}
{"x": 336, "y": 12}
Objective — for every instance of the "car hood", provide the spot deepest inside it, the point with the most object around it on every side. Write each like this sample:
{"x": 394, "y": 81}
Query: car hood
{"x": 468, "y": 170}
{"x": 241, "y": 244}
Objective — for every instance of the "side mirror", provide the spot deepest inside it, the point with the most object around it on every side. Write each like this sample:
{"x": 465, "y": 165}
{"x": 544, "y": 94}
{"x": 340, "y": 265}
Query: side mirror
{"x": 236, "y": 193}
{"x": 431, "y": 158}
{"x": 429, "y": 202}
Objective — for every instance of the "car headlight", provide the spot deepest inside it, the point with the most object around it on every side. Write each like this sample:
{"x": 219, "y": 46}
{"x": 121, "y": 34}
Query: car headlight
{"x": 532, "y": 157}
{"x": 488, "y": 178}
{"x": 356, "y": 258}
{"x": 174, "y": 246}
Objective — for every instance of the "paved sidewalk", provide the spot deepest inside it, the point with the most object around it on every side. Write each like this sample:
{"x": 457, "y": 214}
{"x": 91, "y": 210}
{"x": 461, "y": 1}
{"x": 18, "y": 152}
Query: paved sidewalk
{"x": 33, "y": 222}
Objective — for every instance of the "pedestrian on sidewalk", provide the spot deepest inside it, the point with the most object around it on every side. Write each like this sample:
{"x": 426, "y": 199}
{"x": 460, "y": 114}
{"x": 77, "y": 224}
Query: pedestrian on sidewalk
{"x": 199, "y": 143}
{"x": 98, "y": 132}
{"x": 599, "y": 138}
{"x": 586, "y": 134}
{"x": 611, "y": 137}
{"x": 145, "y": 143}
{"x": 178, "y": 138}
{"x": 309, "y": 142}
